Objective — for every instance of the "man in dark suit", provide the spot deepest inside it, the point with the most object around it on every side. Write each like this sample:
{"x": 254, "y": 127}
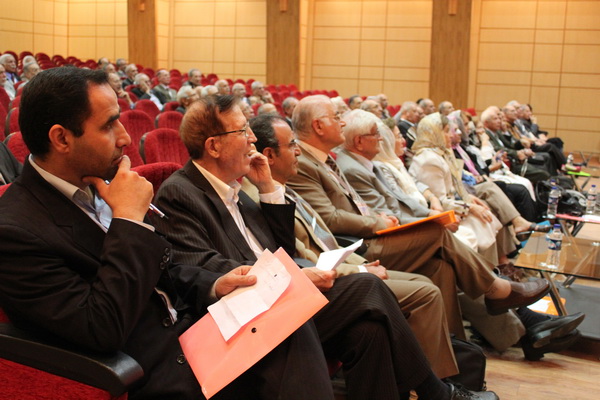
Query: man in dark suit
{"x": 407, "y": 119}
{"x": 10, "y": 168}
{"x": 164, "y": 93}
{"x": 78, "y": 261}
{"x": 218, "y": 227}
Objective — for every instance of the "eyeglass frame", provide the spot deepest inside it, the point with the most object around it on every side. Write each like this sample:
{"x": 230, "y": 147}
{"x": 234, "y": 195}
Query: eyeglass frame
{"x": 244, "y": 131}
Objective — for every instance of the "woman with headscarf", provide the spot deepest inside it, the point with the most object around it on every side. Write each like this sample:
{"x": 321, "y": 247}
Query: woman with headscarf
{"x": 435, "y": 165}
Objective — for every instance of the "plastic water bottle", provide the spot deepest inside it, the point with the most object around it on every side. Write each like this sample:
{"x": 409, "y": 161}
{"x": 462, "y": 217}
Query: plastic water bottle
{"x": 554, "y": 239}
{"x": 590, "y": 204}
{"x": 570, "y": 159}
{"x": 553, "y": 198}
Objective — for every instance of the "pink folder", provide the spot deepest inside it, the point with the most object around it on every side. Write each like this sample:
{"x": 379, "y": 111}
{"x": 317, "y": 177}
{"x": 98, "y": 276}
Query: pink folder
{"x": 217, "y": 363}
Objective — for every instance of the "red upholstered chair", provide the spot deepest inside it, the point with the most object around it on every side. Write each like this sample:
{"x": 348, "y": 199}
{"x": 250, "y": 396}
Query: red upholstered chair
{"x": 170, "y": 106}
{"x": 163, "y": 144}
{"x": 136, "y": 123}
{"x": 156, "y": 173}
{"x": 12, "y": 121}
{"x": 133, "y": 152}
{"x": 148, "y": 107}
{"x": 3, "y": 188}
{"x": 3, "y": 120}
{"x": 124, "y": 104}
{"x": 4, "y": 99}
{"x": 17, "y": 146}
{"x": 14, "y": 103}
{"x": 169, "y": 119}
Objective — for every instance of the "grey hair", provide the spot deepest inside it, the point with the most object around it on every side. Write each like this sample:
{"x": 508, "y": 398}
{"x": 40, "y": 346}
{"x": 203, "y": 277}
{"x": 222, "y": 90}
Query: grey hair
{"x": 307, "y": 110}
{"x": 138, "y": 77}
{"x": 358, "y": 122}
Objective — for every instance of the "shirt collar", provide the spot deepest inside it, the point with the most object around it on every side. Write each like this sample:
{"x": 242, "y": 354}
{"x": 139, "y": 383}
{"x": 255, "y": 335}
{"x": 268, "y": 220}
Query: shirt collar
{"x": 228, "y": 192}
{"x": 66, "y": 188}
{"x": 318, "y": 154}
{"x": 365, "y": 162}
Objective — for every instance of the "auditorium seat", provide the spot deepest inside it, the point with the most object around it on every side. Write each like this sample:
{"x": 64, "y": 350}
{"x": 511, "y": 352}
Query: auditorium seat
{"x": 136, "y": 123}
{"x": 169, "y": 119}
{"x": 170, "y": 106}
{"x": 124, "y": 104}
{"x": 12, "y": 121}
{"x": 4, "y": 99}
{"x": 156, "y": 173}
{"x": 163, "y": 145}
{"x": 148, "y": 107}
{"x": 17, "y": 146}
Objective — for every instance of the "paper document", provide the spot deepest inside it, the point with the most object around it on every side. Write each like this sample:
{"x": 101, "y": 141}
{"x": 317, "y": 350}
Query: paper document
{"x": 243, "y": 304}
{"x": 329, "y": 260}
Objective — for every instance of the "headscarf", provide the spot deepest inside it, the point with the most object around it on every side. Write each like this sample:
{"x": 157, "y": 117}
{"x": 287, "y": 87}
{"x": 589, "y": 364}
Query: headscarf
{"x": 430, "y": 135}
{"x": 387, "y": 157}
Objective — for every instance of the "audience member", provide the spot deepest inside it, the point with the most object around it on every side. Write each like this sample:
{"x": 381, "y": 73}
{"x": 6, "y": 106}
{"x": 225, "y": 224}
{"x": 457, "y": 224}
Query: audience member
{"x": 143, "y": 90}
{"x": 445, "y": 108}
{"x": 383, "y": 100}
{"x": 372, "y": 106}
{"x": 121, "y": 63}
{"x": 407, "y": 119}
{"x": 10, "y": 65}
{"x": 194, "y": 78}
{"x": 418, "y": 298}
{"x": 164, "y": 93}
{"x": 131, "y": 71}
{"x": 186, "y": 96}
{"x": 354, "y": 102}
{"x": 29, "y": 71}
{"x": 247, "y": 110}
{"x": 340, "y": 105}
{"x": 239, "y": 91}
{"x": 267, "y": 108}
{"x": 10, "y": 168}
{"x": 208, "y": 90}
{"x": 216, "y": 226}
{"x": 222, "y": 87}
{"x": 429, "y": 250}
{"x": 6, "y": 84}
{"x": 115, "y": 83}
{"x": 94, "y": 274}
{"x": 102, "y": 63}
{"x": 427, "y": 105}
{"x": 260, "y": 94}
{"x": 288, "y": 105}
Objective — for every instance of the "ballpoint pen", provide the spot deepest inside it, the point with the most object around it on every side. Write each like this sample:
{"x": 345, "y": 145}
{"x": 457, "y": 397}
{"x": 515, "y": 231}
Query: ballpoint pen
{"x": 151, "y": 207}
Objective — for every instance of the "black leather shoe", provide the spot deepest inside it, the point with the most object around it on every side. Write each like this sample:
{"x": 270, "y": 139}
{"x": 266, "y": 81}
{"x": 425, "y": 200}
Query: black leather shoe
{"x": 522, "y": 294}
{"x": 555, "y": 346}
{"x": 544, "y": 332}
{"x": 460, "y": 393}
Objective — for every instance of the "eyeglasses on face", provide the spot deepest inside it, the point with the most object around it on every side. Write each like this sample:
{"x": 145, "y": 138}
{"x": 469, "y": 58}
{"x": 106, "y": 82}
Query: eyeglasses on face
{"x": 243, "y": 131}
{"x": 375, "y": 135}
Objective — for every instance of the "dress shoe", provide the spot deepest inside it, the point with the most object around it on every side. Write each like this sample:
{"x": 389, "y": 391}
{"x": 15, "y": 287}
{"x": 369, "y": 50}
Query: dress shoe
{"x": 460, "y": 393}
{"x": 521, "y": 294}
{"x": 544, "y": 332}
{"x": 555, "y": 346}
{"x": 523, "y": 236}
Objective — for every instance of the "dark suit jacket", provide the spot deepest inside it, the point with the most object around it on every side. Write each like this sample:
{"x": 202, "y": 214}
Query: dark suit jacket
{"x": 62, "y": 274}
{"x": 164, "y": 95}
{"x": 203, "y": 232}
{"x": 10, "y": 168}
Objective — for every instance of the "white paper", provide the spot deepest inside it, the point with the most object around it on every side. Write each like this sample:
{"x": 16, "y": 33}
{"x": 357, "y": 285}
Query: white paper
{"x": 591, "y": 217}
{"x": 239, "y": 307}
{"x": 540, "y": 306}
{"x": 329, "y": 260}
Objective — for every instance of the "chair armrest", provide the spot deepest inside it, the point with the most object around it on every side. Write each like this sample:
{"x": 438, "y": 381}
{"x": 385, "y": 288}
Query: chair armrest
{"x": 345, "y": 241}
{"x": 114, "y": 373}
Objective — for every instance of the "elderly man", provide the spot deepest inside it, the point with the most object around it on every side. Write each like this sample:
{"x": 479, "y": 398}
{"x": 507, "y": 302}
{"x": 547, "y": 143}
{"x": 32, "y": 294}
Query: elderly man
{"x": 427, "y": 105}
{"x": 267, "y": 108}
{"x": 95, "y": 274}
{"x": 407, "y": 119}
{"x": 194, "y": 78}
{"x": 260, "y": 94}
{"x": 10, "y": 65}
{"x": 164, "y": 93}
{"x": 9, "y": 88}
{"x": 144, "y": 91}
{"x": 383, "y": 100}
{"x": 429, "y": 250}
{"x": 121, "y": 63}
{"x": 239, "y": 91}
{"x": 355, "y": 101}
{"x": 185, "y": 97}
{"x": 29, "y": 71}
{"x": 115, "y": 83}
{"x": 288, "y": 105}
{"x": 418, "y": 298}
{"x": 216, "y": 226}
{"x": 518, "y": 155}
{"x": 208, "y": 90}
{"x": 372, "y": 106}
{"x": 222, "y": 87}
{"x": 445, "y": 108}
{"x": 131, "y": 71}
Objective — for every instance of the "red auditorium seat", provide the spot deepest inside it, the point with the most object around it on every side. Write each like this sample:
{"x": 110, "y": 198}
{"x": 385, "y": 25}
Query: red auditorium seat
{"x": 17, "y": 146}
{"x": 4, "y": 99}
{"x": 148, "y": 107}
{"x": 169, "y": 119}
{"x": 136, "y": 123}
{"x": 2, "y": 118}
{"x": 14, "y": 103}
{"x": 3, "y": 188}
{"x": 124, "y": 104}
{"x": 156, "y": 173}
{"x": 170, "y": 106}
{"x": 163, "y": 145}
{"x": 12, "y": 121}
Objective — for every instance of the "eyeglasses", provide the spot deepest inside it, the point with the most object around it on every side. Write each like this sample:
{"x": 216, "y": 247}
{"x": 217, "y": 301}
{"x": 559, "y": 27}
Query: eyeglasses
{"x": 337, "y": 116}
{"x": 293, "y": 144}
{"x": 243, "y": 131}
{"x": 376, "y": 135}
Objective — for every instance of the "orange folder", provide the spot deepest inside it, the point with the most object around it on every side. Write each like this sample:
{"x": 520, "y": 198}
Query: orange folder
{"x": 216, "y": 363}
{"x": 445, "y": 218}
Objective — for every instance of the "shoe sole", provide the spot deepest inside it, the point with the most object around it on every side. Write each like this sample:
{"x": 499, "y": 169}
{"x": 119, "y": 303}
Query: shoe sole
{"x": 561, "y": 344}
{"x": 543, "y": 338}
{"x": 502, "y": 311}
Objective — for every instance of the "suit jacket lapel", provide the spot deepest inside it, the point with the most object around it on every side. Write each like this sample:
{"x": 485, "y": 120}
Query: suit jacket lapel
{"x": 227, "y": 222}
{"x": 85, "y": 233}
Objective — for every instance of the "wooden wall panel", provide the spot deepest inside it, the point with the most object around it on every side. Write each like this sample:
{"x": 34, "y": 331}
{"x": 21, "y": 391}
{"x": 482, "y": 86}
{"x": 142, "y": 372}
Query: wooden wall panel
{"x": 141, "y": 24}
{"x": 283, "y": 43}
{"x": 542, "y": 52}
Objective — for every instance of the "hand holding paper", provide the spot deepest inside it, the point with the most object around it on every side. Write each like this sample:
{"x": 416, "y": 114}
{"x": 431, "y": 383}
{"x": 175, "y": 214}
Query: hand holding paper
{"x": 329, "y": 260}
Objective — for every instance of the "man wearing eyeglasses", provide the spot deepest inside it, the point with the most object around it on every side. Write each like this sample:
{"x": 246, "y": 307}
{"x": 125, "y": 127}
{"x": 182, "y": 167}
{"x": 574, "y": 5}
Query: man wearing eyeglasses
{"x": 260, "y": 94}
{"x": 216, "y": 226}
